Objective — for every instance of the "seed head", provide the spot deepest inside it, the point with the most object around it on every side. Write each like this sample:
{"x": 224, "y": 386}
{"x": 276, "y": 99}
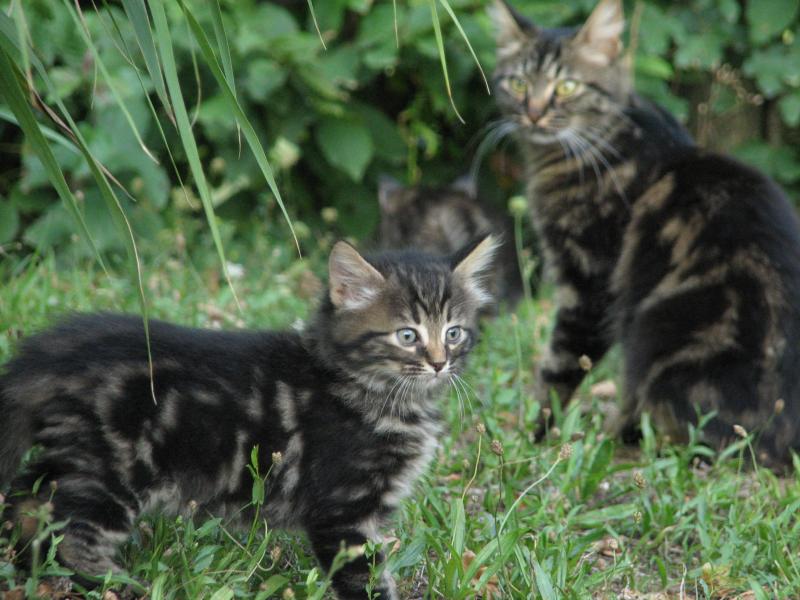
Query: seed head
{"x": 329, "y": 214}
{"x": 740, "y": 431}
{"x": 546, "y": 412}
{"x": 192, "y": 507}
{"x": 639, "y": 480}
{"x": 585, "y": 363}
{"x": 565, "y": 452}
{"x": 277, "y": 458}
{"x": 637, "y": 517}
{"x": 480, "y": 428}
{"x": 497, "y": 447}
{"x": 518, "y": 206}
{"x": 275, "y": 554}
{"x": 288, "y": 594}
{"x": 555, "y": 432}
{"x": 779, "y": 406}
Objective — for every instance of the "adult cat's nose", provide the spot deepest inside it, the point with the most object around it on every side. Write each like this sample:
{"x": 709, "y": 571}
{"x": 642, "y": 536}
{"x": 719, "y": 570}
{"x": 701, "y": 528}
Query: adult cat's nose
{"x": 534, "y": 110}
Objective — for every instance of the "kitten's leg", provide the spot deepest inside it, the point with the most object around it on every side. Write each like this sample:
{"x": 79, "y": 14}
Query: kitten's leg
{"x": 99, "y": 514}
{"x": 350, "y": 581}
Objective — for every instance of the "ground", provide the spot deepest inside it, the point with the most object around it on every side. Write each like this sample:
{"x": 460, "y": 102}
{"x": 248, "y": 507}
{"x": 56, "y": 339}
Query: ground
{"x": 497, "y": 516}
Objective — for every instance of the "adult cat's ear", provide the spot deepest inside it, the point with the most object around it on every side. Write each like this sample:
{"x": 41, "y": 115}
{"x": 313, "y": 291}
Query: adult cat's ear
{"x": 511, "y": 28}
{"x": 353, "y": 282}
{"x": 465, "y": 184}
{"x": 472, "y": 266}
{"x": 389, "y": 193}
{"x": 599, "y": 41}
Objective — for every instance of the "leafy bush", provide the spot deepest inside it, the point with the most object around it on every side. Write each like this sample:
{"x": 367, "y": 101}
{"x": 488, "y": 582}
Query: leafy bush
{"x": 373, "y": 101}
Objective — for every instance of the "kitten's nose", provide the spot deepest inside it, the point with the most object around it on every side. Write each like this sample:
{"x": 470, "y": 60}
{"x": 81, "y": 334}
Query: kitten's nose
{"x": 438, "y": 366}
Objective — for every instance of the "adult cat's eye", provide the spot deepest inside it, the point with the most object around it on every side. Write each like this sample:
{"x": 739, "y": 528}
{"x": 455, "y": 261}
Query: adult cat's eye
{"x": 453, "y": 334}
{"x": 566, "y": 87}
{"x": 407, "y": 336}
{"x": 517, "y": 85}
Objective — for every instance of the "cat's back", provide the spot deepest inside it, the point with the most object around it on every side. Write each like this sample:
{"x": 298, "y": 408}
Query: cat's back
{"x": 84, "y": 349}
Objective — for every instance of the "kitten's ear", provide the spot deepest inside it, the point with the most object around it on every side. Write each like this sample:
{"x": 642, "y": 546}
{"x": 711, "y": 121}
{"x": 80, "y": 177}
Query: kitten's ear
{"x": 512, "y": 30}
{"x": 465, "y": 184}
{"x": 472, "y": 265}
{"x": 599, "y": 42}
{"x": 353, "y": 282}
{"x": 389, "y": 193}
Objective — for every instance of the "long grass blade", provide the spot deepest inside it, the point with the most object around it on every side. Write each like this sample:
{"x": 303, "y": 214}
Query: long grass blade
{"x": 164, "y": 39}
{"x": 224, "y": 54}
{"x": 452, "y": 14}
{"x": 316, "y": 24}
{"x": 249, "y": 133}
{"x": 12, "y": 86}
{"x": 80, "y": 25}
{"x": 437, "y": 31}
{"x": 137, "y": 15}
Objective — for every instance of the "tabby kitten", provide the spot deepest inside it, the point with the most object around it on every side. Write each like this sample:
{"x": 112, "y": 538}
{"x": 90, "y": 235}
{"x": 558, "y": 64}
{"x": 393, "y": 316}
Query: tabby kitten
{"x": 689, "y": 259}
{"x": 351, "y": 404}
{"x": 443, "y": 219}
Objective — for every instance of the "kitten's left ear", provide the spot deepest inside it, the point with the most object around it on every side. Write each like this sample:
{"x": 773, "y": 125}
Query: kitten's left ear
{"x": 472, "y": 265}
{"x": 353, "y": 282}
{"x": 599, "y": 42}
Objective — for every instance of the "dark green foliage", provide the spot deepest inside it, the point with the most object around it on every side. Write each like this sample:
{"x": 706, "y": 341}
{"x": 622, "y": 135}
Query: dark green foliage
{"x": 333, "y": 119}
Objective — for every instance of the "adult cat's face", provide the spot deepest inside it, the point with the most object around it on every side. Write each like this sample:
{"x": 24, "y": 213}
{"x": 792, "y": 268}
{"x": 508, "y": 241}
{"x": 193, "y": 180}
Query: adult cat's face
{"x": 561, "y": 85}
{"x": 406, "y": 316}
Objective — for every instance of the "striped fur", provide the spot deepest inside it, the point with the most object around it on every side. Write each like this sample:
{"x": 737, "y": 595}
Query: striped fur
{"x": 690, "y": 260}
{"x": 353, "y": 412}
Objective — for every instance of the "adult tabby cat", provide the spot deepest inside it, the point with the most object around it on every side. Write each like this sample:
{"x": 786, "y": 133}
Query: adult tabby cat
{"x": 443, "y": 219}
{"x": 351, "y": 404}
{"x": 689, "y": 259}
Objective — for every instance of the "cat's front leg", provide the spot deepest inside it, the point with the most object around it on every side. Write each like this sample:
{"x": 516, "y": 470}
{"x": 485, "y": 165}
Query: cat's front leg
{"x": 351, "y": 580}
{"x": 578, "y": 341}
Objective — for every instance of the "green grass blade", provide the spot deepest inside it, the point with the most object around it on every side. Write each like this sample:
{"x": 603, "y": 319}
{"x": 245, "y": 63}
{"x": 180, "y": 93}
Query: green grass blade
{"x": 452, "y": 14}
{"x": 249, "y": 133}
{"x": 48, "y": 132}
{"x": 12, "y": 90}
{"x": 80, "y": 25}
{"x": 170, "y": 69}
{"x": 137, "y": 15}
{"x": 437, "y": 30}
{"x": 316, "y": 24}
{"x": 224, "y": 54}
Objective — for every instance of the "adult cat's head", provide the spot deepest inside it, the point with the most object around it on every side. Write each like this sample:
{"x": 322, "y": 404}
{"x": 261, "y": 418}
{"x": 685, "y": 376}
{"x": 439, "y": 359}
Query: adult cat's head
{"x": 555, "y": 84}
{"x": 402, "y": 318}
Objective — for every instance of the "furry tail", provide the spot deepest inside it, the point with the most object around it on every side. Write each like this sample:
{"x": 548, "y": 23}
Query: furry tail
{"x": 15, "y": 436}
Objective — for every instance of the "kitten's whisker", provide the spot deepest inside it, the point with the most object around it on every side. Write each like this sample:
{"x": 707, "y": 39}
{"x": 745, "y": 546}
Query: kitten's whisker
{"x": 596, "y": 154}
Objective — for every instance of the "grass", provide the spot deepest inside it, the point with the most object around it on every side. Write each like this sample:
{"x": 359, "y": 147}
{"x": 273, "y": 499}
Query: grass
{"x": 575, "y": 516}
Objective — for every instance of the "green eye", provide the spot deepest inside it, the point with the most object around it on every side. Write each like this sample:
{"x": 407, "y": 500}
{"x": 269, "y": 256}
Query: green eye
{"x": 517, "y": 85}
{"x": 454, "y": 334}
{"x": 566, "y": 87}
{"x": 406, "y": 336}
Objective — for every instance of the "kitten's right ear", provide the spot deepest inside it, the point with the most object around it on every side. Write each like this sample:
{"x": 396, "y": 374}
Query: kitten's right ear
{"x": 389, "y": 193}
{"x": 353, "y": 282}
{"x": 512, "y": 30}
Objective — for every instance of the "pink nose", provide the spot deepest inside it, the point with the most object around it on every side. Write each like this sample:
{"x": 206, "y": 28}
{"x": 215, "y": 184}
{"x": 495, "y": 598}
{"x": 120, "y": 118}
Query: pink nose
{"x": 438, "y": 366}
{"x": 534, "y": 112}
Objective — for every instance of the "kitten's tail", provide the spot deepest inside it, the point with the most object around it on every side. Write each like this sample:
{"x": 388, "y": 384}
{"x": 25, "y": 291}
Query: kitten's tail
{"x": 15, "y": 436}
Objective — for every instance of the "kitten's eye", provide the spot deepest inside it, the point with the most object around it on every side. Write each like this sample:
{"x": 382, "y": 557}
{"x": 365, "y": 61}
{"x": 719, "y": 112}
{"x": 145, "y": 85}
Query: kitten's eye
{"x": 566, "y": 87}
{"x": 407, "y": 336}
{"x": 517, "y": 85}
{"x": 453, "y": 334}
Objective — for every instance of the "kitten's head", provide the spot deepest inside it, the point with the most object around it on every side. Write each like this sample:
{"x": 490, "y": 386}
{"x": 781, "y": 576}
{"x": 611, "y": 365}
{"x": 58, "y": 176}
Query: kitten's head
{"x": 439, "y": 220}
{"x": 403, "y": 316}
{"x": 554, "y": 84}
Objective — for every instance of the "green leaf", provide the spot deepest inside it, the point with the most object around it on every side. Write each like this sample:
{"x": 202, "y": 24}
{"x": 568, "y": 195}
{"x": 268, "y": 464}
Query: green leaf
{"x": 769, "y": 17}
{"x": 790, "y": 108}
{"x": 263, "y": 77}
{"x": 273, "y": 584}
{"x": 458, "y": 526}
{"x": 9, "y": 221}
{"x": 223, "y": 593}
{"x": 543, "y": 582}
{"x": 346, "y": 144}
